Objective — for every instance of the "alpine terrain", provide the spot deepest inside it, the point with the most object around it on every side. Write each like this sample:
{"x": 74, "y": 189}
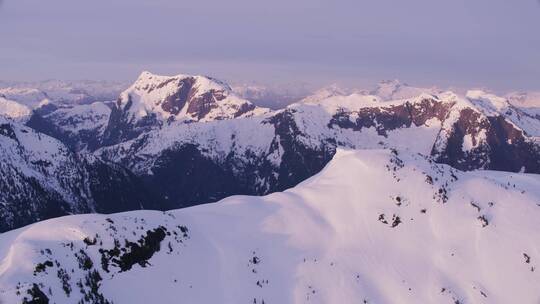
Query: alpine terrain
{"x": 179, "y": 141}
{"x": 375, "y": 226}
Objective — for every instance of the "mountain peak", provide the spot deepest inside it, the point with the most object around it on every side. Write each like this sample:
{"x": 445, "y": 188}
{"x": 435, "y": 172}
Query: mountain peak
{"x": 155, "y": 100}
{"x": 182, "y": 97}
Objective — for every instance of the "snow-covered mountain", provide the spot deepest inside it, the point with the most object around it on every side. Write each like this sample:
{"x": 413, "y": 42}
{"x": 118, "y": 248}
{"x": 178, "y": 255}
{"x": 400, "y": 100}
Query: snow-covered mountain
{"x": 43, "y": 178}
{"x": 32, "y": 94}
{"x": 277, "y": 150}
{"x": 375, "y": 226}
{"x": 154, "y": 100}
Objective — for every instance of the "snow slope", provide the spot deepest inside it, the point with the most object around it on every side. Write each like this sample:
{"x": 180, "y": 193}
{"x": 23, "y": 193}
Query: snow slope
{"x": 375, "y": 226}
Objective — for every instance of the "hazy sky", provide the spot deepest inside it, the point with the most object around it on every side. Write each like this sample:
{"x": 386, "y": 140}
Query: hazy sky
{"x": 492, "y": 43}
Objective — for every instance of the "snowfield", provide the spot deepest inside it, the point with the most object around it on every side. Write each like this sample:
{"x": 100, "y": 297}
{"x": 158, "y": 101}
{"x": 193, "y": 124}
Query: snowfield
{"x": 375, "y": 226}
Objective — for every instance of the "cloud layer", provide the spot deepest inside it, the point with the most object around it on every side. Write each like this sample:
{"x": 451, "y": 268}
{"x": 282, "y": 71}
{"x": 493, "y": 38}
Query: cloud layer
{"x": 480, "y": 43}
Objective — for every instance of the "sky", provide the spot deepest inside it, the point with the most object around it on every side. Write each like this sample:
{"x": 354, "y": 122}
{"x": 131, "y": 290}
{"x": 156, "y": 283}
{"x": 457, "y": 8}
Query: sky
{"x": 473, "y": 43}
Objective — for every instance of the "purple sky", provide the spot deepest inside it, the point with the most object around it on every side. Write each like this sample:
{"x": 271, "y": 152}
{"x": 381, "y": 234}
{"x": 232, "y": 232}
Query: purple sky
{"x": 491, "y": 43}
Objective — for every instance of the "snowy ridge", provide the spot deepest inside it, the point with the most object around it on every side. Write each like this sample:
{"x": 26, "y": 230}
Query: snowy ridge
{"x": 375, "y": 226}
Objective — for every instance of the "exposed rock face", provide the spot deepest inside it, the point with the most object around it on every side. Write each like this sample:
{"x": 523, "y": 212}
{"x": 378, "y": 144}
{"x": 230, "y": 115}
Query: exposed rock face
{"x": 385, "y": 119}
{"x": 175, "y": 103}
{"x": 479, "y": 142}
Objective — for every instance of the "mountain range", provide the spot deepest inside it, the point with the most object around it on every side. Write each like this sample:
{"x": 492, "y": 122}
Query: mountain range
{"x": 180, "y": 188}
{"x": 184, "y": 140}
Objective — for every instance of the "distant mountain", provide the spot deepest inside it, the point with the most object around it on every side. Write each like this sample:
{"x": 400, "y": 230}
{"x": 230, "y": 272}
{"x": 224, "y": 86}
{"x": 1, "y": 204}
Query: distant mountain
{"x": 525, "y": 99}
{"x": 154, "y": 100}
{"x": 29, "y": 97}
{"x": 273, "y": 97}
{"x": 395, "y": 90}
{"x": 325, "y": 93}
{"x": 375, "y": 226}
{"x": 61, "y": 92}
